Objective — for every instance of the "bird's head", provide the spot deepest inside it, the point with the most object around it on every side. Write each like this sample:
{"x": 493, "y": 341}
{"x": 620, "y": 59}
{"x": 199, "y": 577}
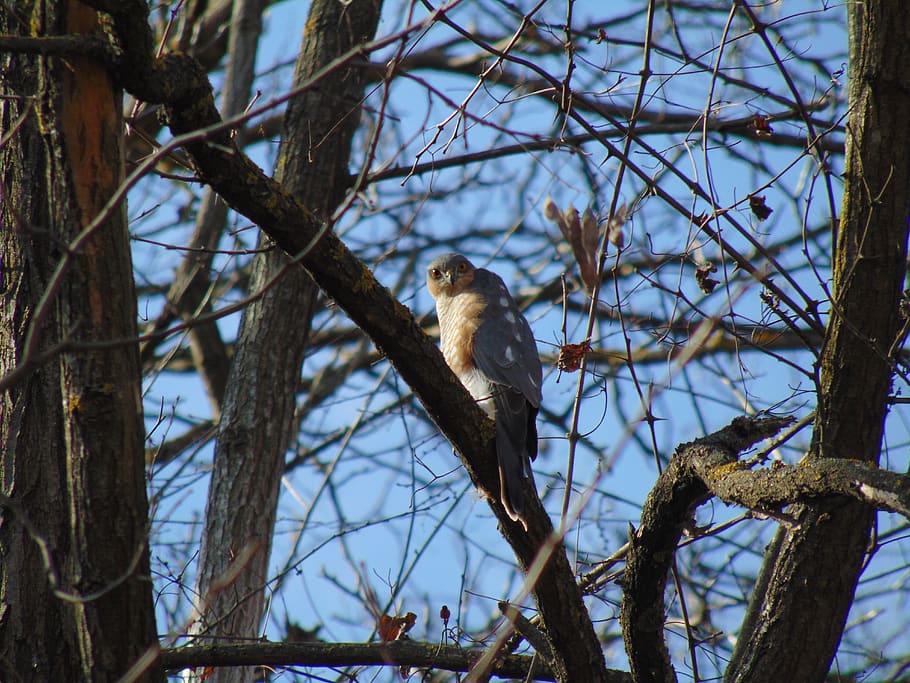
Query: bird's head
{"x": 449, "y": 274}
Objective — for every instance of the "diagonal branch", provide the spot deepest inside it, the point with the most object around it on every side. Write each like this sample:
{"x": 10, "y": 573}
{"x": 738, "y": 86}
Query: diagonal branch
{"x": 182, "y": 86}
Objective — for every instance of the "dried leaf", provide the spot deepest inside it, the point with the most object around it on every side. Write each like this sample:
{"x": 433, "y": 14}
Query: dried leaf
{"x": 445, "y": 614}
{"x": 394, "y": 628}
{"x": 388, "y": 628}
{"x": 703, "y": 279}
{"x": 761, "y": 126}
{"x": 616, "y": 235}
{"x": 583, "y": 235}
{"x": 588, "y": 271}
{"x": 590, "y": 233}
{"x": 573, "y": 225}
{"x": 571, "y": 355}
{"x": 759, "y": 208}
{"x": 550, "y": 210}
{"x": 586, "y": 254}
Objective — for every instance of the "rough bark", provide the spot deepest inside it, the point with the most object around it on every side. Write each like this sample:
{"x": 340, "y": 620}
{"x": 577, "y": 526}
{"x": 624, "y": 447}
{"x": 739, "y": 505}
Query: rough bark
{"x": 652, "y": 547}
{"x": 768, "y": 490}
{"x": 432, "y": 656}
{"x": 71, "y": 433}
{"x": 797, "y": 613}
{"x": 393, "y": 654}
{"x": 258, "y": 412}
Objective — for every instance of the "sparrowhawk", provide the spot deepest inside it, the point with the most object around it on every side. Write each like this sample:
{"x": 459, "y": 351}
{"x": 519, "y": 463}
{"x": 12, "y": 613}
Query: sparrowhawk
{"x": 489, "y": 345}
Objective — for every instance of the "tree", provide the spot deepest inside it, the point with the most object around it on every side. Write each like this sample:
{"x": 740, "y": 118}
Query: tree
{"x": 705, "y": 146}
{"x": 75, "y": 577}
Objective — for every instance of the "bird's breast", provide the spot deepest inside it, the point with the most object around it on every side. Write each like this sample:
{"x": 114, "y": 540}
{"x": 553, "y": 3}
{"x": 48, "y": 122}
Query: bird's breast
{"x": 459, "y": 318}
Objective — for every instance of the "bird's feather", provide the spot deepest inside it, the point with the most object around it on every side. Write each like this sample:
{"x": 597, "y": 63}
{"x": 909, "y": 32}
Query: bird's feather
{"x": 489, "y": 345}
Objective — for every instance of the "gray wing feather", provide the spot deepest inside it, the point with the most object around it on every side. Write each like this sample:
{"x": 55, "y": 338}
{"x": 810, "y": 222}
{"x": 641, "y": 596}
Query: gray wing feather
{"x": 505, "y": 351}
{"x": 498, "y": 354}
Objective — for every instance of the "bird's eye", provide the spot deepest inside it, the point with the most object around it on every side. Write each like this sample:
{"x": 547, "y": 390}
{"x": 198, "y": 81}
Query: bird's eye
{"x": 462, "y": 267}
{"x": 435, "y": 274}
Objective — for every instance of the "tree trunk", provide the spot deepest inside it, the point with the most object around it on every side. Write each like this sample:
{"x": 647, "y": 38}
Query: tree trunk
{"x": 258, "y": 413}
{"x": 71, "y": 457}
{"x": 806, "y": 587}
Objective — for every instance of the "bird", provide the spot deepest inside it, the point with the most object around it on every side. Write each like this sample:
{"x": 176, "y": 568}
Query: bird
{"x": 490, "y": 347}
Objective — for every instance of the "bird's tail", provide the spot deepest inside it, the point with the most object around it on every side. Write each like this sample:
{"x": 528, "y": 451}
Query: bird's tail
{"x": 512, "y": 474}
{"x": 516, "y": 444}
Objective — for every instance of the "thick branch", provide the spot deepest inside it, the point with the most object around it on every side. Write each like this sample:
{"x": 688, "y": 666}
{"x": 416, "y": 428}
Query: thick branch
{"x": 667, "y": 510}
{"x": 75, "y": 44}
{"x": 710, "y": 467}
{"x": 782, "y": 485}
{"x": 397, "y": 653}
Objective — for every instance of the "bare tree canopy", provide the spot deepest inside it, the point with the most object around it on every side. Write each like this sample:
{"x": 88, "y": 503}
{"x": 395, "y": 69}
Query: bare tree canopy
{"x": 217, "y": 219}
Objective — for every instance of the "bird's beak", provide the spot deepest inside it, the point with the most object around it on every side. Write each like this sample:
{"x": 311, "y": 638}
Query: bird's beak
{"x": 448, "y": 278}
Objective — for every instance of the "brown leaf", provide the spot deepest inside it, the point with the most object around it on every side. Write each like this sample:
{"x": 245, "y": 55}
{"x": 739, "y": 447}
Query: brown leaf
{"x": 583, "y": 233}
{"x": 571, "y": 355}
{"x": 394, "y": 628}
{"x": 388, "y": 628}
{"x": 573, "y": 226}
{"x": 761, "y": 126}
{"x": 587, "y": 262}
{"x": 550, "y": 210}
{"x": 588, "y": 273}
{"x": 553, "y": 213}
{"x": 590, "y": 233}
{"x": 617, "y": 237}
{"x": 615, "y": 225}
{"x": 703, "y": 279}
{"x": 758, "y": 206}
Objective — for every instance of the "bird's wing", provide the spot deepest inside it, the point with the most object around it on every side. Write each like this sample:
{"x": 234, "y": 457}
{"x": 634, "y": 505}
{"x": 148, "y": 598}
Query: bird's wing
{"x": 504, "y": 347}
{"x": 505, "y": 352}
